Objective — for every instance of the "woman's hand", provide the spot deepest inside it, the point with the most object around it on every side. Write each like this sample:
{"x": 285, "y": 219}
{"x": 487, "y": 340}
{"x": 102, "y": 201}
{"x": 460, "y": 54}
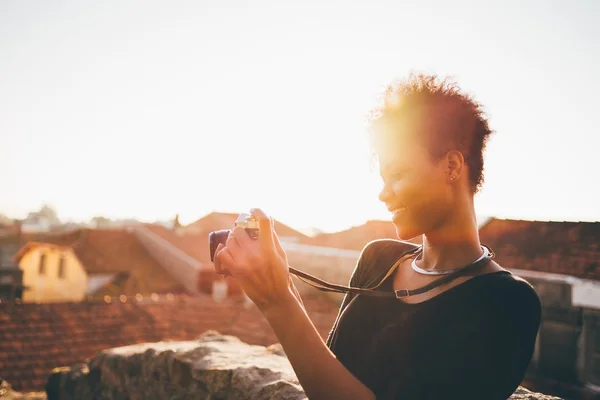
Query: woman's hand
{"x": 259, "y": 265}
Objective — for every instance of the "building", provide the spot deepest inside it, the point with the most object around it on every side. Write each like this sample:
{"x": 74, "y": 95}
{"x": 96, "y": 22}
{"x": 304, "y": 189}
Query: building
{"x": 94, "y": 262}
{"x": 11, "y": 284}
{"x": 12, "y": 238}
{"x": 51, "y": 273}
{"x": 43, "y": 220}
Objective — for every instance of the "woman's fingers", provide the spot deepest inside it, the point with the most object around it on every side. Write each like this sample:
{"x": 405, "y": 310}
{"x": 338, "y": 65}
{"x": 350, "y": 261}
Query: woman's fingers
{"x": 278, "y": 247}
{"x": 258, "y": 264}
{"x": 222, "y": 259}
{"x": 244, "y": 251}
{"x": 242, "y": 237}
{"x": 216, "y": 260}
{"x": 234, "y": 247}
{"x": 266, "y": 229}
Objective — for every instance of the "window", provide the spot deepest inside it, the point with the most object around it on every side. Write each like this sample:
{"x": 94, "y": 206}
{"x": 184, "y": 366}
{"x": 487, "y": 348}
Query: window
{"x": 6, "y": 254}
{"x": 42, "y": 265}
{"x": 61, "y": 267}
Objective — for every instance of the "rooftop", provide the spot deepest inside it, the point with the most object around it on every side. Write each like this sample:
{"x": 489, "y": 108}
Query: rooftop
{"x": 567, "y": 248}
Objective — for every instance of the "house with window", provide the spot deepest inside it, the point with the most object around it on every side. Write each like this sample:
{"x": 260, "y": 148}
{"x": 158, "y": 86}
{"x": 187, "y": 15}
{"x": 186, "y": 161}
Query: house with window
{"x": 97, "y": 262}
{"x": 51, "y": 273}
{"x": 12, "y": 238}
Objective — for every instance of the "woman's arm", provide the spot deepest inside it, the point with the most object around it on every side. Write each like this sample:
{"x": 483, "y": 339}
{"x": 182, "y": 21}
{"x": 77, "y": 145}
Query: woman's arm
{"x": 321, "y": 375}
{"x": 295, "y": 292}
{"x": 263, "y": 273}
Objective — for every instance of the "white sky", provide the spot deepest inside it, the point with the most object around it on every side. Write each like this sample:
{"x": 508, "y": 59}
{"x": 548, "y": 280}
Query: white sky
{"x": 145, "y": 109}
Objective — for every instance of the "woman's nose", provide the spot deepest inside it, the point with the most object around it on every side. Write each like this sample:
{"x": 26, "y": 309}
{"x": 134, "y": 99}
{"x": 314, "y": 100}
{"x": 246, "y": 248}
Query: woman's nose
{"x": 384, "y": 194}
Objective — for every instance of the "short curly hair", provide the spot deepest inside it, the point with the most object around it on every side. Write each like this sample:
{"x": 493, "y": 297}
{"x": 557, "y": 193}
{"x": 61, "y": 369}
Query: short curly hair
{"x": 439, "y": 112}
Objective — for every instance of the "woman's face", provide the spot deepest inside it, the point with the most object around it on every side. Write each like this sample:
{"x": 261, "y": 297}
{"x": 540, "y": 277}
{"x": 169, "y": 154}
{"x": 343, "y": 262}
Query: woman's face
{"x": 416, "y": 188}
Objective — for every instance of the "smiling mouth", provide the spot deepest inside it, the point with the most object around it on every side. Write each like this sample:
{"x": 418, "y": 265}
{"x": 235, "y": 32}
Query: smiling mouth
{"x": 397, "y": 211}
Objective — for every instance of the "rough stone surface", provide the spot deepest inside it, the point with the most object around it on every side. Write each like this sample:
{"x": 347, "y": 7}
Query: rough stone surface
{"x": 7, "y": 393}
{"x": 523, "y": 394}
{"x": 215, "y": 367}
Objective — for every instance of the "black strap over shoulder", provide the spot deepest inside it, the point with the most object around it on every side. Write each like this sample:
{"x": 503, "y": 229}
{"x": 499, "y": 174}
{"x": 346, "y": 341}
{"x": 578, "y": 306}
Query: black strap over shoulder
{"x": 401, "y": 293}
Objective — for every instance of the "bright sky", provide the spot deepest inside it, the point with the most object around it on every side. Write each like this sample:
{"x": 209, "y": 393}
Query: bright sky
{"x": 146, "y": 109}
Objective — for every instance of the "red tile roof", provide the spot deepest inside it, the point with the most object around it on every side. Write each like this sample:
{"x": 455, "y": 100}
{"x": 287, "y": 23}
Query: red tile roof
{"x": 357, "y": 237}
{"x": 35, "y": 338}
{"x": 570, "y": 248}
{"x": 193, "y": 243}
{"x": 32, "y": 245}
{"x": 216, "y": 221}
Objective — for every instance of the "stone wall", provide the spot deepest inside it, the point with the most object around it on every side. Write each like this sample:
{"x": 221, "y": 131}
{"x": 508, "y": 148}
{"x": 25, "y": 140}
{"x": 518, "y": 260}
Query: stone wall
{"x": 568, "y": 345}
{"x": 591, "y": 340}
{"x": 8, "y": 393}
{"x": 214, "y": 367}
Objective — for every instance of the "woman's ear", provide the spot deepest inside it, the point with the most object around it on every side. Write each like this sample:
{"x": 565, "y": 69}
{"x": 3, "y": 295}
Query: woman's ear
{"x": 454, "y": 165}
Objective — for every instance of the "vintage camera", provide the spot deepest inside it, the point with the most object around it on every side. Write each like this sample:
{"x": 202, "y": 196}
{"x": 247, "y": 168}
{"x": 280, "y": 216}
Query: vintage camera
{"x": 244, "y": 220}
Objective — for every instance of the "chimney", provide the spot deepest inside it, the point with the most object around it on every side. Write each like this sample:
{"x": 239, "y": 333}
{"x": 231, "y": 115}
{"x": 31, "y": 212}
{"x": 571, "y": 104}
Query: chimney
{"x": 176, "y": 223}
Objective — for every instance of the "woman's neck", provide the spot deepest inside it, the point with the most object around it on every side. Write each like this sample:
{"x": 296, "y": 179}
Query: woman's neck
{"x": 454, "y": 244}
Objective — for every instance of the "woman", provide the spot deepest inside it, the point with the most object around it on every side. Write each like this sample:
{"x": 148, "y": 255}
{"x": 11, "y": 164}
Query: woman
{"x": 471, "y": 337}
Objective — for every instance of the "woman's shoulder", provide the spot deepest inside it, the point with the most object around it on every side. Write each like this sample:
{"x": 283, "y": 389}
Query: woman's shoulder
{"x": 377, "y": 255}
{"x": 382, "y": 245}
{"x": 508, "y": 294}
{"x": 385, "y": 251}
{"x": 505, "y": 282}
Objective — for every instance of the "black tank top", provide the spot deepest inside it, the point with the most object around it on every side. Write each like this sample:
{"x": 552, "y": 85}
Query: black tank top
{"x": 480, "y": 332}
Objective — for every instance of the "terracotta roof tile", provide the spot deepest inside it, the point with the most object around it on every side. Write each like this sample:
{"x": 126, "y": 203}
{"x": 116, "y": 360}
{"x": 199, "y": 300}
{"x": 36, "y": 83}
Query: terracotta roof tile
{"x": 570, "y": 248}
{"x": 32, "y": 245}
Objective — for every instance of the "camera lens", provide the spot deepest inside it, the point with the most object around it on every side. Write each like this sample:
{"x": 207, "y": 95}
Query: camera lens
{"x": 214, "y": 238}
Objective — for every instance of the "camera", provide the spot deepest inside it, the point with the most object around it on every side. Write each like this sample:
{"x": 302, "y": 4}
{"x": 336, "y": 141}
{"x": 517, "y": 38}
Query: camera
{"x": 244, "y": 220}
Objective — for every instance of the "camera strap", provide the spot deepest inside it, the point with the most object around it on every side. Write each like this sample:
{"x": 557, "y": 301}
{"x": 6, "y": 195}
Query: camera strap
{"x": 401, "y": 293}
